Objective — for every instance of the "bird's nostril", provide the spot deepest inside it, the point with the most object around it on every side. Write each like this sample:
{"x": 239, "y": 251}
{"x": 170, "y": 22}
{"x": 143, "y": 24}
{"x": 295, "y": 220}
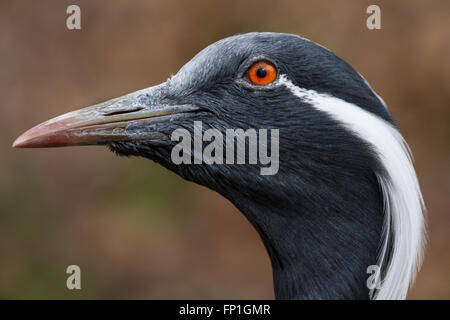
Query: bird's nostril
{"x": 112, "y": 113}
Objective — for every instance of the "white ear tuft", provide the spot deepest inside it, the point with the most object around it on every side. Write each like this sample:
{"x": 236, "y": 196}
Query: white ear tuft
{"x": 403, "y": 202}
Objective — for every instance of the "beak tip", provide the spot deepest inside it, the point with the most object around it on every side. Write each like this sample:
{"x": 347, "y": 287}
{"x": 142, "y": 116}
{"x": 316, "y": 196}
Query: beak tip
{"x": 20, "y": 142}
{"x": 29, "y": 139}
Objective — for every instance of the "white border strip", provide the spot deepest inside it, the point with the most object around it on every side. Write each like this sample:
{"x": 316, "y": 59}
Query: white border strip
{"x": 403, "y": 202}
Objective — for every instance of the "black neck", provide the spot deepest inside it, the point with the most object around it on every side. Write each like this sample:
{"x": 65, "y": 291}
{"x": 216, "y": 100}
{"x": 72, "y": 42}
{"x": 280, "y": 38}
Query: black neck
{"x": 320, "y": 220}
{"x": 321, "y": 248}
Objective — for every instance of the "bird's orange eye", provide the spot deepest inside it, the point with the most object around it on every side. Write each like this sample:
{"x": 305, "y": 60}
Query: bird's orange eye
{"x": 262, "y": 73}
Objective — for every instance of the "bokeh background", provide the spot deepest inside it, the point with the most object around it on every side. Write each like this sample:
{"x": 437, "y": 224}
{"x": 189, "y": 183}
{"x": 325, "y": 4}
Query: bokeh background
{"x": 136, "y": 229}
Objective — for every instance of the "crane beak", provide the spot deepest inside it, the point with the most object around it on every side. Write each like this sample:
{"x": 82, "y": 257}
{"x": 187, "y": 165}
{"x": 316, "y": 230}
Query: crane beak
{"x": 99, "y": 124}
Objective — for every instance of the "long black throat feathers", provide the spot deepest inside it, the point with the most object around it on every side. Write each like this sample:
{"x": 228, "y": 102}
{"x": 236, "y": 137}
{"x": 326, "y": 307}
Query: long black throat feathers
{"x": 320, "y": 217}
{"x": 321, "y": 250}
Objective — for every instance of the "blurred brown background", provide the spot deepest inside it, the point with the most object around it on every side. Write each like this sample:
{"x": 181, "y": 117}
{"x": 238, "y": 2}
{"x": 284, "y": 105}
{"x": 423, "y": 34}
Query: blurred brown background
{"x": 137, "y": 230}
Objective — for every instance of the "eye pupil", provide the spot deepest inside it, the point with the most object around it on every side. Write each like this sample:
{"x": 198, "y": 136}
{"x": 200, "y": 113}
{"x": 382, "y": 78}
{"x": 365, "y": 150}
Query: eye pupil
{"x": 261, "y": 72}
